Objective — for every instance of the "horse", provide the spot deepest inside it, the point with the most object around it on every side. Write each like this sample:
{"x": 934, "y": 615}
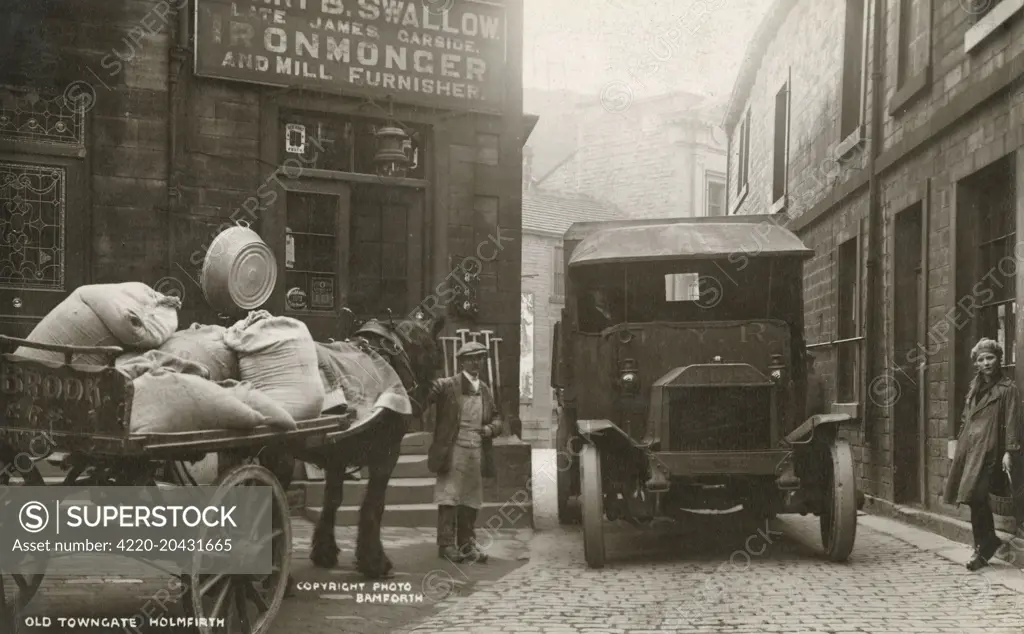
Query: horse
{"x": 412, "y": 348}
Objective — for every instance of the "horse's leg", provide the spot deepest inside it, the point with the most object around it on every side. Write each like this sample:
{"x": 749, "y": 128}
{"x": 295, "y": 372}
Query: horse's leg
{"x": 282, "y": 466}
{"x": 385, "y": 448}
{"x": 324, "y": 550}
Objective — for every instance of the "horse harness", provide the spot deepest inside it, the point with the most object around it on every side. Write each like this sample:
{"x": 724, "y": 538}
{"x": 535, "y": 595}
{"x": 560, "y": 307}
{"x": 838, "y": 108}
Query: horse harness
{"x": 376, "y": 338}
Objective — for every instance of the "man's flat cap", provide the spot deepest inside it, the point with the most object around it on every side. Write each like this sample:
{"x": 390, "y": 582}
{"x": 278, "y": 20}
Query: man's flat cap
{"x": 471, "y": 349}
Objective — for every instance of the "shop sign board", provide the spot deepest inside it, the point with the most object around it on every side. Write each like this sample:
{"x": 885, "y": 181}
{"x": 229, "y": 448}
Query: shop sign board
{"x": 449, "y": 55}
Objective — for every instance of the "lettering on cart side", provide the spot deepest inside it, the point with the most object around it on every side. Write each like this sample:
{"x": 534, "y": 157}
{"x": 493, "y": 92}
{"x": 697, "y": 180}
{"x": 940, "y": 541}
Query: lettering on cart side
{"x": 16, "y": 381}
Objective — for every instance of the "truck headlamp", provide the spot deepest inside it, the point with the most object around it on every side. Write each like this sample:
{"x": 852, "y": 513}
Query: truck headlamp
{"x": 629, "y": 377}
{"x": 777, "y": 368}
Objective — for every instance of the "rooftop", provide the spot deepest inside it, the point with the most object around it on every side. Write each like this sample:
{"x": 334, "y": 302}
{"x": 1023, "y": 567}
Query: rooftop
{"x": 553, "y": 213}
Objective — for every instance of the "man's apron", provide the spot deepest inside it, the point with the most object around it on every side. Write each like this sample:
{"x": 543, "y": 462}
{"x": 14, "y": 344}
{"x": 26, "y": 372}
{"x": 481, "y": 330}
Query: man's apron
{"x": 463, "y": 484}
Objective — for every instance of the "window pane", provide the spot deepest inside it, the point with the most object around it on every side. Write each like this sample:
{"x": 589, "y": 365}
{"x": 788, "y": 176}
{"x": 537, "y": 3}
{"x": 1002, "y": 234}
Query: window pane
{"x": 847, "y": 274}
{"x": 682, "y": 287}
{"x": 1007, "y": 314}
{"x": 311, "y": 251}
{"x": 315, "y": 141}
{"x": 31, "y": 226}
{"x": 379, "y": 263}
{"x": 558, "y": 281}
{"x": 715, "y": 198}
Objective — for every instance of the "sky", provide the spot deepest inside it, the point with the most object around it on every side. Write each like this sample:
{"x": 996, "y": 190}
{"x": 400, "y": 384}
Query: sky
{"x": 590, "y": 46}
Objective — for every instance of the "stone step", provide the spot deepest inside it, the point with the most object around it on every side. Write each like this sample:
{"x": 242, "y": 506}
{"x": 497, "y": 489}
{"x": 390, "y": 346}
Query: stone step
{"x": 416, "y": 443}
{"x": 409, "y": 466}
{"x": 400, "y": 491}
{"x": 492, "y": 515}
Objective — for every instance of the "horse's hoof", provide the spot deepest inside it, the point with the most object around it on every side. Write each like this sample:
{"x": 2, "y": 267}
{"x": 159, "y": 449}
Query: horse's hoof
{"x": 289, "y": 590}
{"x": 324, "y": 555}
{"x": 380, "y": 568}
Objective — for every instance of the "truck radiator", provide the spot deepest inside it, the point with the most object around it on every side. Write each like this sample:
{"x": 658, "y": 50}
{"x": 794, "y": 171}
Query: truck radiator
{"x": 719, "y": 419}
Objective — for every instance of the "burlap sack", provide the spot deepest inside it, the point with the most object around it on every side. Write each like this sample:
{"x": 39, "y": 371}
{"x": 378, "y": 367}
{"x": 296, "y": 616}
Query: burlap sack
{"x": 140, "y": 317}
{"x": 130, "y": 315}
{"x": 273, "y": 412}
{"x": 170, "y": 402}
{"x": 71, "y": 323}
{"x": 135, "y": 364}
{"x": 278, "y": 357}
{"x": 205, "y": 345}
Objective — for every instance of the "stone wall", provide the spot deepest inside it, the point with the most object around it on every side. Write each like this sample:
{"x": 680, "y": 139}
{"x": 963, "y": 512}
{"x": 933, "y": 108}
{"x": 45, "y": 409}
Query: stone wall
{"x": 965, "y": 114}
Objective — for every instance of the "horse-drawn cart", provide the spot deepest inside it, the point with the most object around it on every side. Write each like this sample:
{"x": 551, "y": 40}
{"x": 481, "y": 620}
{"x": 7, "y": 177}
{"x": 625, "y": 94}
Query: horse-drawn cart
{"x": 84, "y": 412}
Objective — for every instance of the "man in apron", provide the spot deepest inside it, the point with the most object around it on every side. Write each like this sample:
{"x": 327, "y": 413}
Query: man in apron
{"x": 460, "y": 455}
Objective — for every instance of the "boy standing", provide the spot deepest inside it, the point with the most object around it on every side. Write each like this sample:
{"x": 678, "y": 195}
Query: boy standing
{"x": 460, "y": 454}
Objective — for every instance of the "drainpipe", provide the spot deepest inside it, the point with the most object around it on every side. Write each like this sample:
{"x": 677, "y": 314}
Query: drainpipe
{"x": 178, "y": 56}
{"x": 179, "y": 53}
{"x": 871, "y": 319}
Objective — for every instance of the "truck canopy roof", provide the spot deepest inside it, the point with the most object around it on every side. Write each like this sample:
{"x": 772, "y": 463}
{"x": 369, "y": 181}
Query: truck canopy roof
{"x": 682, "y": 239}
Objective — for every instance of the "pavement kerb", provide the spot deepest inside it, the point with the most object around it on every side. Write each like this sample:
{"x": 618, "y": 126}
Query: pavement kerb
{"x": 906, "y": 526}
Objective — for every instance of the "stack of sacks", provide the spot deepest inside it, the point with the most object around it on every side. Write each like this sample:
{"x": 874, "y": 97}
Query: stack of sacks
{"x": 205, "y": 346}
{"x": 277, "y": 355}
{"x": 135, "y": 364}
{"x": 167, "y": 402}
{"x": 130, "y": 315}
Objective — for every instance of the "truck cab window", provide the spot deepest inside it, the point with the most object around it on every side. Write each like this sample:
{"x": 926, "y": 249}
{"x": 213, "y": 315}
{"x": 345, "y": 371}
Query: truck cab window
{"x": 599, "y": 308}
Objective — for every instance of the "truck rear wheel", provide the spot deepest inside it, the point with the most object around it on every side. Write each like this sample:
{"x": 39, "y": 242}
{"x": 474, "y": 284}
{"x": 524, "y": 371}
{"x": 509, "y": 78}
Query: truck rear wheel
{"x": 592, "y": 503}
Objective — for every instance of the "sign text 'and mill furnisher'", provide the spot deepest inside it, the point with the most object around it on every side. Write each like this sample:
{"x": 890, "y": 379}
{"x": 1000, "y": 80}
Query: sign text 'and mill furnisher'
{"x": 452, "y": 58}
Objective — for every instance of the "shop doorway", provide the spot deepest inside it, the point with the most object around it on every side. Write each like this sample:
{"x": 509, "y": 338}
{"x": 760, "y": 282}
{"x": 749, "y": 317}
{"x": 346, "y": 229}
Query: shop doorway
{"x": 906, "y": 369}
{"x": 985, "y": 265}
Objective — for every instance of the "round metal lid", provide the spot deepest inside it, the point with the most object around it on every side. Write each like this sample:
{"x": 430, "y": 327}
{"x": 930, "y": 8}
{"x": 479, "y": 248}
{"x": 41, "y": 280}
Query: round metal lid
{"x": 253, "y": 275}
{"x": 242, "y": 267}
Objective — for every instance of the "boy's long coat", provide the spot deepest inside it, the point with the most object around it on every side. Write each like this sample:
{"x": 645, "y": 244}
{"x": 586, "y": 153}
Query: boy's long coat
{"x": 991, "y": 426}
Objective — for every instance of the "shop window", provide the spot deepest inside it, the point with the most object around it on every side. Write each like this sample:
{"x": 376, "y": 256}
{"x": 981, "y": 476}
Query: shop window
{"x": 32, "y": 203}
{"x": 28, "y": 115}
{"x": 312, "y": 244}
{"x": 847, "y": 321}
{"x": 379, "y": 266}
{"x": 343, "y": 144}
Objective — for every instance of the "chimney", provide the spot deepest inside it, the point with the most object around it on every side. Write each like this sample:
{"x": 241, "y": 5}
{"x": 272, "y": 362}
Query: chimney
{"x": 527, "y": 168}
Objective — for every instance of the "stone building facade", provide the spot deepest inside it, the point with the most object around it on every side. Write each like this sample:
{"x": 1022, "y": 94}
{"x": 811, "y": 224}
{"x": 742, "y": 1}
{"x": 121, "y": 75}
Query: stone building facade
{"x": 660, "y": 157}
{"x": 909, "y": 191}
{"x": 135, "y": 131}
{"x": 547, "y": 215}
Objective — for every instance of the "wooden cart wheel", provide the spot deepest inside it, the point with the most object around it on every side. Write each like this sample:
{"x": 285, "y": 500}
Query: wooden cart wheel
{"x": 592, "y": 502}
{"x": 839, "y": 509}
{"x": 249, "y": 603}
{"x": 16, "y": 591}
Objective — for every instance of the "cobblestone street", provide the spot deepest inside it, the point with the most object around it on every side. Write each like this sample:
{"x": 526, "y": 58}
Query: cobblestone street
{"x": 714, "y": 576}
{"x": 127, "y": 589}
